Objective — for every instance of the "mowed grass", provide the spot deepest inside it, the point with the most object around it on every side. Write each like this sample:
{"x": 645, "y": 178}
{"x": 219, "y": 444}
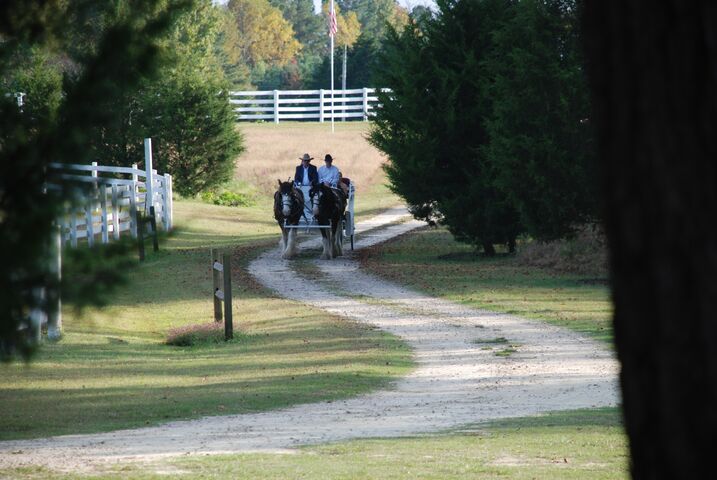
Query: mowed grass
{"x": 431, "y": 261}
{"x": 111, "y": 370}
{"x": 582, "y": 444}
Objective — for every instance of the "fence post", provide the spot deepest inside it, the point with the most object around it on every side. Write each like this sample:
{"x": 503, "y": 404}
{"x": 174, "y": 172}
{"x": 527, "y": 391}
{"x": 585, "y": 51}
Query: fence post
{"x": 133, "y": 209}
{"x": 104, "y": 214}
{"x": 276, "y": 106}
{"x": 167, "y": 203}
{"x": 365, "y": 104}
{"x": 153, "y": 224}
{"x": 89, "y": 225}
{"x": 149, "y": 175}
{"x": 38, "y": 316}
{"x": 115, "y": 214}
{"x": 216, "y": 285}
{"x": 228, "y": 317}
{"x": 54, "y": 306}
{"x": 321, "y": 105}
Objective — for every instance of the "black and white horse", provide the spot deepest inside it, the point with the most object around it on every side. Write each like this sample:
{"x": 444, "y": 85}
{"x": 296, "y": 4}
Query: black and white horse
{"x": 288, "y": 208}
{"x": 328, "y": 207}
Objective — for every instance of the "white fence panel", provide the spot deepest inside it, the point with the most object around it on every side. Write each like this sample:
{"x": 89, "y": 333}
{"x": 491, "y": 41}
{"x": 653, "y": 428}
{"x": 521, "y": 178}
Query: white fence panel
{"x": 109, "y": 199}
{"x": 317, "y": 105}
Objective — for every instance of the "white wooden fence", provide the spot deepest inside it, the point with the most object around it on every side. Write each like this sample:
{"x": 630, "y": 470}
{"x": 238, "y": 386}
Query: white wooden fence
{"x": 110, "y": 199}
{"x": 277, "y": 105}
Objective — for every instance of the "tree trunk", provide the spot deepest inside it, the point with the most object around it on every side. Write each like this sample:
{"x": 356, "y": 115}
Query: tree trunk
{"x": 488, "y": 250}
{"x": 653, "y": 73}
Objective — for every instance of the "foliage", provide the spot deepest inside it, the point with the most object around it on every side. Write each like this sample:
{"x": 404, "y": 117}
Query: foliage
{"x": 266, "y": 38}
{"x": 192, "y": 123}
{"x": 433, "y": 123}
{"x": 125, "y": 54}
{"x": 185, "y": 109}
{"x": 227, "y": 198}
{"x": 541, "y": 144}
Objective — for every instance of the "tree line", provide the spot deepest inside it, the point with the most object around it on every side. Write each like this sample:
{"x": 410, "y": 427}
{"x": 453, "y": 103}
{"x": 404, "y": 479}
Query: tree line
{"x": 487, "y": 125}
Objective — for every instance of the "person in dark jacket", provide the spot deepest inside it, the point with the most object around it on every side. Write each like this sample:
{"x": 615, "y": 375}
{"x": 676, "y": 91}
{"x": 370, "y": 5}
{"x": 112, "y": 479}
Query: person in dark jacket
{"x": 306, "y": 173}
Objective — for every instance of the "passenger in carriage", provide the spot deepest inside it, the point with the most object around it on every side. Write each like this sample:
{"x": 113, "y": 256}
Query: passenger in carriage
{"x": 331, "y": 176}
{"x": 328, "y": 174}
{"x": 306, "y": 174}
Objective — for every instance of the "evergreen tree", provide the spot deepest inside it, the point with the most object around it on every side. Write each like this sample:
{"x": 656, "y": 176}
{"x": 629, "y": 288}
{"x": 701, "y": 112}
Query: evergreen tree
{"x": 540, "y": 142}
{"x": 124, "y": 55}
{"x": 433, "y": 124}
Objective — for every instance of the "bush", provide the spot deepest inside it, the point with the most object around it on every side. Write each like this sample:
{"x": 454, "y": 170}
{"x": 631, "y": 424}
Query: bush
{"x": 585, "y": 254}
{"x": 200, "y": 334}
{"x": 227, "y": 198}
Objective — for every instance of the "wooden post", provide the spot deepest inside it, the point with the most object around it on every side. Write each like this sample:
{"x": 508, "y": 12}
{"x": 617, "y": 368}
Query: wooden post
{"x": 54, "y": 317}
{"x": 170, "y": 202}
{"x": 133, "y": 210}
{"x": 365, "y": 104}
{"x": 166, "y": 203}
{"x": 149, "y": 175}
{"x": 228, "y": 317}
{"x": 276, "y": 106}
{"x": 216, "y": 285}
{"x": 73, "y": 228}
{"x": 321, "y": 105}
{"x": 104, "y": 214}
{"x": 115, "y": 214}
{"x": 153, "y": 224}
{"x": 89, "y": 226}
{"x": 140, "y": 235}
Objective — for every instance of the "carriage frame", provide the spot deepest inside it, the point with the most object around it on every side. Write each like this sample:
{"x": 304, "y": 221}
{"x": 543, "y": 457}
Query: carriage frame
{"x": 307, "y": 222}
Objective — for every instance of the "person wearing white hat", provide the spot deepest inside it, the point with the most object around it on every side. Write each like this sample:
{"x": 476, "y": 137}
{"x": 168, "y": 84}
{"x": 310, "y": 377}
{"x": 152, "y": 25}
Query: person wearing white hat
{"x": 306, "y": 173}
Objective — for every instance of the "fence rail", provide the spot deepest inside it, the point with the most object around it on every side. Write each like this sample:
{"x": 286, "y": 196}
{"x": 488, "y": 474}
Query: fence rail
{"x": 278, "y": 105}
{"x": 110, "y": 199}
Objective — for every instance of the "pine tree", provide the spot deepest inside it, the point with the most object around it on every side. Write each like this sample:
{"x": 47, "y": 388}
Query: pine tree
{"x": 540, "y": 144}
{"x": 433, "y": 123}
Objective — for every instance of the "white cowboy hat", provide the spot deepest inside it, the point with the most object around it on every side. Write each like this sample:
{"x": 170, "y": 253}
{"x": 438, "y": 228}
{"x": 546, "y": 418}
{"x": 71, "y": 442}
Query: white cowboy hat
{"x": 306, "y": 157}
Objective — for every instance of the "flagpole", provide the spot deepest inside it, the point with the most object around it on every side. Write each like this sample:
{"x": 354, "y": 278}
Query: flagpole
{"x": 332, "y": 70}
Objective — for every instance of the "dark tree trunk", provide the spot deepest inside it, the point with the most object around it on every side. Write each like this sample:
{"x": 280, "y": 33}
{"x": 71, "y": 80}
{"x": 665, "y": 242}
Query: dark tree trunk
{"x": 488, "y": 250}
{"x": 653, "y": 70}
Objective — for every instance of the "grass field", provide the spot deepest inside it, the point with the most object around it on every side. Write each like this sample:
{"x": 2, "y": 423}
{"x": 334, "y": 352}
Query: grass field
{"x": 431, "y": 261}
{"x": 586, "y": 445}
{"x": 112, "y": 370}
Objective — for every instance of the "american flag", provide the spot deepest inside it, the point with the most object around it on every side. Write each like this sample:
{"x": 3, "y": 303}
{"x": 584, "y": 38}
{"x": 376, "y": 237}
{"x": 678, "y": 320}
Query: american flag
{"x": 333, "y": 27}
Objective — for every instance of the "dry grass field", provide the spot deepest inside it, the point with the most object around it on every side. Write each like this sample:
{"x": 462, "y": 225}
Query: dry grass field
{"x": 273, "y": 152}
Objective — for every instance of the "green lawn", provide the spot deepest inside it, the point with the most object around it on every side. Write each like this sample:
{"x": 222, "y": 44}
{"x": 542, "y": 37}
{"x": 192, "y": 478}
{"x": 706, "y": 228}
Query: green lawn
{"x": 430, "y": 260}
{"x": 111, "y": 370}
{"x": 583, "y": 444}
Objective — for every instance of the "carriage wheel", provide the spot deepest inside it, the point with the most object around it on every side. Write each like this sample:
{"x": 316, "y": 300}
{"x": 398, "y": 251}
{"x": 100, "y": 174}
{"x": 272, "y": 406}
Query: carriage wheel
{"x": 352, "y": 241}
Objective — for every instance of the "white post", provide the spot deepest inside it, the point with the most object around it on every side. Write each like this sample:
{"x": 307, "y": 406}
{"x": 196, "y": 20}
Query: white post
{"x": 321, "y": 105}
{"x": 54, "y": 320}
{"x": 343, "y": 86}
{"x": 38, "y": 316}
{"x": 167, "y": 202}
{"x": 365, "y": 104}
{"x": 276, "y": 106}
{"x": 149, "y": 175}
{"x": 104, "y": 214}
{"x": 332, "y": 74}
{"x": 94, "y": 171}
{"x": 89, "y": 225}
{"x": 115, "y": 214}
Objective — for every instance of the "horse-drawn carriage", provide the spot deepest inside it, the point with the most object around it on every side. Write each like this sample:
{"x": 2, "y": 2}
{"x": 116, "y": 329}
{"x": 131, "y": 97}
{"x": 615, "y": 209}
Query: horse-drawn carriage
{"x": 311, "y": 208}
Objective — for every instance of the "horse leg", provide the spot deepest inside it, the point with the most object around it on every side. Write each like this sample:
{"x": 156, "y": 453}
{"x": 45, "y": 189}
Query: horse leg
{"x": 335, "y": 239}
{"x": 326, "y": 242}
{"x": 291, "y": 246}
{"x": 282, "y": 240}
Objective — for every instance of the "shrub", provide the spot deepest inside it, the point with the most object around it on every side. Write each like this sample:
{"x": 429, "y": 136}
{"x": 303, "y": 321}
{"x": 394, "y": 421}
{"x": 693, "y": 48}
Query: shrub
{"x": 585, "y": 254}
{"x": 227, "y": 198}
{"x": 200, "y": 334}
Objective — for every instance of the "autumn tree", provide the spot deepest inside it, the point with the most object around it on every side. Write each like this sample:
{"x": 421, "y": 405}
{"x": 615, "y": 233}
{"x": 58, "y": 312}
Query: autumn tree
{"x": 266, "y": 38}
